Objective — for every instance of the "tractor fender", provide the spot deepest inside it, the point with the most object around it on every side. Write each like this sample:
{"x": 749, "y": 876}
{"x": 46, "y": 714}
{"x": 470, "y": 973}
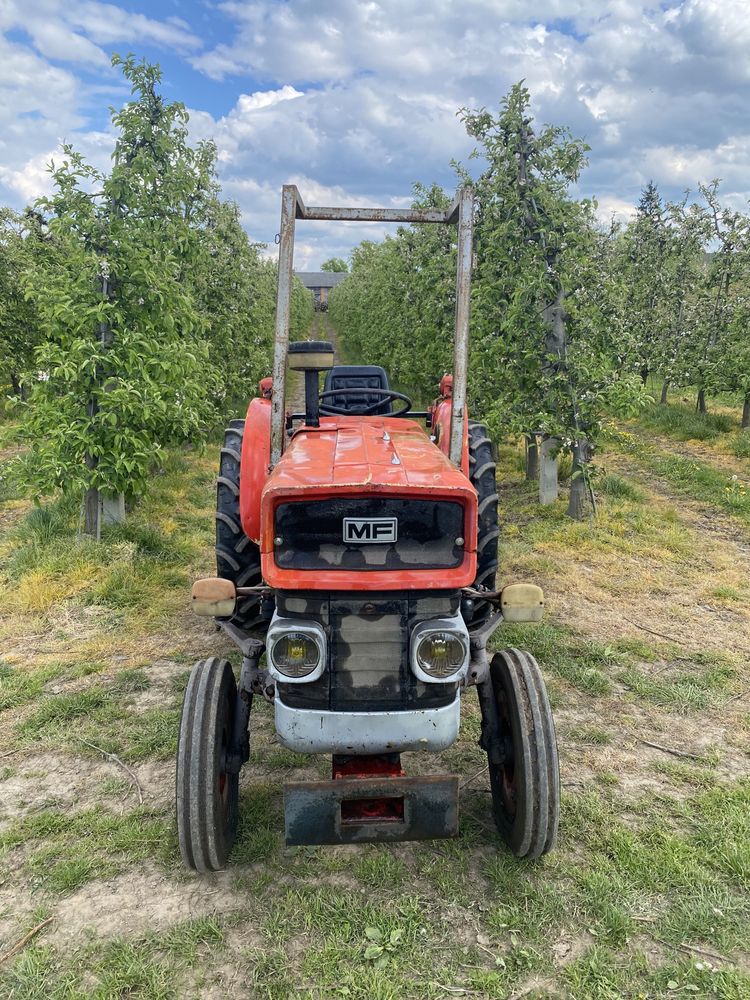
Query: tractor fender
{"x": 256, "y": 459}
{"x": 441, "y": 430}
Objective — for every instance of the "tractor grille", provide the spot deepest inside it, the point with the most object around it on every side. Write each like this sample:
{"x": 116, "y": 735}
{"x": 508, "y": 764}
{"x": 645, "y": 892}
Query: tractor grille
{"x": 358, "y": 534}
{"x": 368, "y": 644}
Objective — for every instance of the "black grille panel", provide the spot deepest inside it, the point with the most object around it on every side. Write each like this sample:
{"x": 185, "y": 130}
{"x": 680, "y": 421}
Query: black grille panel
{"x": 312, "y": 534}
{"x": 368, "y": 651}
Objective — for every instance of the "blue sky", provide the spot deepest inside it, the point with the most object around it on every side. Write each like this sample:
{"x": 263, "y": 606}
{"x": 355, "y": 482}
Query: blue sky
{"x": 355, "y": 100}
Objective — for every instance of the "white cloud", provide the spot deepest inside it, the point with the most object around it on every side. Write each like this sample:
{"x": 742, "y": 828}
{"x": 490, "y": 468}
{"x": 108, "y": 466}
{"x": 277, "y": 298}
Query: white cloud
{"x": 42, "y": 103}
{"x": 248, "y": 103}
{"x": 72, "y": 31}
{"x": 609, "y": 208}
{"x": 382, "y": 81}
{"x": 31, "y": 180}
{"x": 357, "y": 99}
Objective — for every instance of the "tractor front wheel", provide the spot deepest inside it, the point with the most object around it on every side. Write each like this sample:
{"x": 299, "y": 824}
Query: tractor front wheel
{"x": 524, "y": 769}
{"x": 207, "y": 793}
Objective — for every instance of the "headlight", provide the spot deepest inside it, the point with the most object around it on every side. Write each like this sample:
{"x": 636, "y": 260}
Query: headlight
{"x": 440, "y": 650}
{"x": 295, "y": 654}
{"x": 296, "y": 650}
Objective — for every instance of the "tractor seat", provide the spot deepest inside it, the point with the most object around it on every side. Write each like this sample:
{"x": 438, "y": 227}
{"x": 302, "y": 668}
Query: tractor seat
{"x": 362, "y": 377}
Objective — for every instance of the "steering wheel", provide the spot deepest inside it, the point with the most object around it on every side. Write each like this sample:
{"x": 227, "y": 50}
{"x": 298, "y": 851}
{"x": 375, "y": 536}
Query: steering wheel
{"x": 366, "y": 410}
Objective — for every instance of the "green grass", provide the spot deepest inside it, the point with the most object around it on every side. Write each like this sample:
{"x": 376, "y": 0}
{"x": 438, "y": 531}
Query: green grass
{"x": 740, "y": 444}
{"x": 612, "y": 485}
{"x": 585, "y": 664}
{"x": 64, "y": 850}
{"x": 683, "y": 691}
{"x": 141, "y": 570}
{"x": 543, "y": 534}
{"x": 684, "y": 423}
{"x": 675, "y": 874}
{"x": 694, "y": 479}
{"x": 20, "y": 686}
{"x": 101, "y": 715}
{"x": 152, "y": 967}
{"x": 589, "y": 736}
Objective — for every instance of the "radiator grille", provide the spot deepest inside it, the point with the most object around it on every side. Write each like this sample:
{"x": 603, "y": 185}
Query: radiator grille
{"x": 368, "y": 650}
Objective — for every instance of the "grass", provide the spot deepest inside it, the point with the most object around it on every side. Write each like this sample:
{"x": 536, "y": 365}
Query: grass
{"x": 149, "y": 967}
{"x": 64, "y": 850}
{"x": 684, "y": 423}
{"x": 137, "y": 576}
{"x": 695, "y": 479}
{"x": 612, "y": 485}
{"x": 653, "y": 852}
{"x": 686, "y": 892}
{"x": 101, "y": 715}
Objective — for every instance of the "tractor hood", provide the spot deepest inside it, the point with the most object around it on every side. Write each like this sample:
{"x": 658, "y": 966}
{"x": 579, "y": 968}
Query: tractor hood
{"x": 375, "y": 471}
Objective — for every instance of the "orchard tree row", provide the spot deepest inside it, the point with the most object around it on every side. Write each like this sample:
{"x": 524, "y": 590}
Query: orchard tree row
{"x": 569, "y": 320}
{"x": 680, "y": 272}
{"x": 133, "y": 307}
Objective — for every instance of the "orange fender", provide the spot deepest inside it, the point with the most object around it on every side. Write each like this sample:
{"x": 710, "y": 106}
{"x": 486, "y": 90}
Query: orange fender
{"x": 441, "y": 423}
{"x": 256, "y": 458}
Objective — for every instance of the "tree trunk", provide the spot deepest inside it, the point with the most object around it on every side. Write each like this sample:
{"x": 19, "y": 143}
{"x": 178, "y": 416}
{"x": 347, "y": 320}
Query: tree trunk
{"x": 577, "y": 500}
{"x": 532, "y": 456}
{"x": 644, "y": 375}
{"x": 746, "y": 412}
{"x": 548, "y": 471}
{"x": 700, "y": 403}
{"x": 665, "y": 386}
{"x": 98, "y": 508}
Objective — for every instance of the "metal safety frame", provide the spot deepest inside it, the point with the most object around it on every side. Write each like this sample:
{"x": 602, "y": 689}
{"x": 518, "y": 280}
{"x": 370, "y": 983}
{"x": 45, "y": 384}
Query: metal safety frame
{"x": 461, "y": 213}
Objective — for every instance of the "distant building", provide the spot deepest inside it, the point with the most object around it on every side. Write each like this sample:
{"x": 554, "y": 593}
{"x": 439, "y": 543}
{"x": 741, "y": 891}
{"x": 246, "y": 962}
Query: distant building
{"x": 320, "y": 283}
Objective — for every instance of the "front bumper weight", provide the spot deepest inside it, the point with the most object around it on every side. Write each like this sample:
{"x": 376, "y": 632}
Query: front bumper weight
{"x": 363, "y": 810}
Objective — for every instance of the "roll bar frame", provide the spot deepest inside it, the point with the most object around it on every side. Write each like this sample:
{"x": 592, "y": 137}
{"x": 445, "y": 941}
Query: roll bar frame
{"x": 461, "y": 213}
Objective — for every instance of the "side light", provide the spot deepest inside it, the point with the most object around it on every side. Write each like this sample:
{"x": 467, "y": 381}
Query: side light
{"x": 296, "y": 650}
{"x": 522, "y": 602}
{"x": 213, "y": 597}
{"x": 440, "y": 650}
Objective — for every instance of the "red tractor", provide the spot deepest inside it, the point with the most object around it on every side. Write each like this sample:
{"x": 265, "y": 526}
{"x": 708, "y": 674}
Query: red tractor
{"x": 357, "y": 549}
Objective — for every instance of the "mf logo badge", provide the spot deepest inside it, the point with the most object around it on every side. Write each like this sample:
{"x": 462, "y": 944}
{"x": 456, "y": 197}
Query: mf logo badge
{"x": 370, "y": 529}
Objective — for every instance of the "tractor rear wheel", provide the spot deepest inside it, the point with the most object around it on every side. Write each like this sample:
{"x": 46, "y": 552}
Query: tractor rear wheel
{"x": 207, "y": 794}
{"x": 526, "y": 785}
{"x": 482, "y": 467}
{"x": 237, "y": 556}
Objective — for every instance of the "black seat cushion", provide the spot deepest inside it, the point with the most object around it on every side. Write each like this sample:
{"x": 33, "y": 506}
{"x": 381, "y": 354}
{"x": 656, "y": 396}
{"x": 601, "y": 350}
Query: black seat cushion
{"x": 362, "y": 377}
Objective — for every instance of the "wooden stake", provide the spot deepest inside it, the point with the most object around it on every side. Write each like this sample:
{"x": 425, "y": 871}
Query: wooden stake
{"x": 672, "y": 750}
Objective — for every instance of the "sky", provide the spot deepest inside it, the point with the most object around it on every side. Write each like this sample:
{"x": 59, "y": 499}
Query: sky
{"x": 356, "y": 100}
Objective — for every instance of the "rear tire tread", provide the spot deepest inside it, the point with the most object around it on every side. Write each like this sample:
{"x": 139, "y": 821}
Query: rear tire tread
{"x": 237, "y": 556}
{"x": 482, "y": 468}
